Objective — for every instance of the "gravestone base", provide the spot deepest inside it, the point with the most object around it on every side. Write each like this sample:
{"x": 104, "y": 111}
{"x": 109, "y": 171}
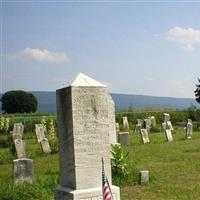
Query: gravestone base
{"x": 64, "y": 193}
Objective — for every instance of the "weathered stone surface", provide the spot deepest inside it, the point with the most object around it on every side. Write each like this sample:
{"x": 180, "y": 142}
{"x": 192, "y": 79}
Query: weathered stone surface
{"x": 168, "y": 134}
{"x": 63, "y": 193}
{"x": 45, "y": 145}
{"x": 145, "y": 136}
{"x": 189, "y": 130}
{"x": 169, "y": 126}
{"x": 166, "y": 117}
{"x": 22, "y": 170}
{"x": 20, "y": 148}
{"x": 153, "y": 121}
{"x": 83, "y": 113}
{"x": 18, "y": 130}
{"x": 189, "y": 121}
{"x": 144, "y": 177}
{"x": 125, "y": 122}
{"x": 112, "y": 123}
{"x": 40, "y": 132}
{"x": 123, "y": 138}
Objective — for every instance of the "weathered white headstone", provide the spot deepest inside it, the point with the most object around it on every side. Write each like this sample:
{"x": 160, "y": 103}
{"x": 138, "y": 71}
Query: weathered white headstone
{"x": 18, "y": 130}
{"x": 123, "y": 138}
{"x": 40, "y": 132}
{"x": 144, "y": 177}
{"x": 169, "y": 126}
{"x": 145, "y": 136}
{"x": 189, "y": 129}
{"x": 83, "y": 113}
{"x": 22, "y": 170}
{"x": 125, "y": 122}
{"x": 189, "y": 121}
{"x": 20, "y": 148}
{"x": 153, "y": 121}
{"x": 166, "y": 117}
{"x": 45, "y": 145}
{"x": 168, "y": 134}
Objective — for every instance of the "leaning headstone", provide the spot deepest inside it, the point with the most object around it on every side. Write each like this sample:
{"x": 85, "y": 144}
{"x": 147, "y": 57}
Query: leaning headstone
{"x": 18, "y": 130}
{"x": 144, "y": 177}
{"x": 125, "y": 122}
{"x": 168, "y": 134}
{"x": 189, "y": 129}
{"x": 145, "y": 136}
{"x": 123, "y": 138}
{"x": 20, "y": 148}
{"x": 166, "y": 117}
{"x": 22, "y": 170}
{"x": 40, "y": 132}
{"x": 83, "y": 130}
{"x": 169, "y": 126}
{"x": 45, "y": 145}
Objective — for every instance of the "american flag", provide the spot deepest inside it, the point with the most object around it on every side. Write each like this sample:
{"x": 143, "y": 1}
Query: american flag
{"x": 106, "y": 190}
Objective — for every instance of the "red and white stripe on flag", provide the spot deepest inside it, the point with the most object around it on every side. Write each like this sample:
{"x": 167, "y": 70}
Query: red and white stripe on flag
{"x": 106, "y": 190}
{"x": 107, "y": 195}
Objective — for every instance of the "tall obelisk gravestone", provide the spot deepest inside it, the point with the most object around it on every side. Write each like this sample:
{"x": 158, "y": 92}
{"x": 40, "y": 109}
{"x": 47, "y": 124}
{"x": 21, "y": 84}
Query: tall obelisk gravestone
{"x": 86, "y": 125}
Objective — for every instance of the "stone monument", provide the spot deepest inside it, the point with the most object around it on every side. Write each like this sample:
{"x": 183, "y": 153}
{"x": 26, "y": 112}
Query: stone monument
{"x": 45, "y": 145}
{"x": 189, "y": 129}
{"x": 22, "y": 170}
{"x": 125, "y": 122}
{"x": 123, "y": 138}
{"x": 40, "y": 132}
{"x": 18, "y": 130}
{"x": 20, "y": 148}
{"x": 144, "y": 177}
{"x": 168, "y": 134}
{"x": 145, "y": 136}
{"x": 85, "y": 132}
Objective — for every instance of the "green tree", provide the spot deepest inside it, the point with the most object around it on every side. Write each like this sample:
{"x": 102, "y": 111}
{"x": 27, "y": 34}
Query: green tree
{"x": 18, "y": 101}
{"x": 197, "y": 91}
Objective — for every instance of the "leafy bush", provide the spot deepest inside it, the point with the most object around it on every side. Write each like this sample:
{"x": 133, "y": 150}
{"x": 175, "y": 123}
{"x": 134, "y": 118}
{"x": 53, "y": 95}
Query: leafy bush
{"x": 119, "y": 162}
{"x": 53, "y": 140}
{"x": 4, "y": 124}
{"x": 19, "y": 102}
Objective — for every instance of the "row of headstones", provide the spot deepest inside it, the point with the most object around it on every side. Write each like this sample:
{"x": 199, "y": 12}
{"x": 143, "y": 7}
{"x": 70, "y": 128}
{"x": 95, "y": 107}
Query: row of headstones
{"x": 148, "y": 123}
{"x": 123, "y": 136}
{"x": 23, "y": 167}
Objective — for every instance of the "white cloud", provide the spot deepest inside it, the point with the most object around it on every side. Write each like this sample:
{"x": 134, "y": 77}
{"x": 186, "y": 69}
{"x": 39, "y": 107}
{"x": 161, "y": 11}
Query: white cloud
{"x": 189, "y": 37}
{"x": 43, "y": 55}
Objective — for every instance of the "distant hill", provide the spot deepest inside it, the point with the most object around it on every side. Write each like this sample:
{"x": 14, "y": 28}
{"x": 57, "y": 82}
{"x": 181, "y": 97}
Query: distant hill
{"x": 47, "y": 102}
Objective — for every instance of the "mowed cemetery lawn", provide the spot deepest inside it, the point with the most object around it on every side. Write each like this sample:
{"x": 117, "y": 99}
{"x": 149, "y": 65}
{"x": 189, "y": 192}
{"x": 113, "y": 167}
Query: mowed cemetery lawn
{"x": 174, "y": 169}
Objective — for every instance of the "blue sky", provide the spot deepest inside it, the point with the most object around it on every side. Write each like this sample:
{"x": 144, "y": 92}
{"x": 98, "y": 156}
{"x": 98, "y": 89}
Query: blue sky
{"x": 133, "y": 47}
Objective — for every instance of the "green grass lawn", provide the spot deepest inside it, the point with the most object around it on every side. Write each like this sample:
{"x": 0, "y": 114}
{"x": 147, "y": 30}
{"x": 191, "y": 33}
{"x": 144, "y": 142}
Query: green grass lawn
{"x": 174, "y": 169}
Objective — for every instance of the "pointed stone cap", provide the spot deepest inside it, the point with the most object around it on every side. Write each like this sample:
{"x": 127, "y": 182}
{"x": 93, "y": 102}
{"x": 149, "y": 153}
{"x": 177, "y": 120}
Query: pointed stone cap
{"x": 85, "y": 81}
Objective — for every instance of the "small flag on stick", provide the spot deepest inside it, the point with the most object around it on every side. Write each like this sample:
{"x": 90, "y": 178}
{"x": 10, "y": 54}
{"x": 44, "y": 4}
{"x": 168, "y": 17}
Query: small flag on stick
{"x": 106, "y": 190}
